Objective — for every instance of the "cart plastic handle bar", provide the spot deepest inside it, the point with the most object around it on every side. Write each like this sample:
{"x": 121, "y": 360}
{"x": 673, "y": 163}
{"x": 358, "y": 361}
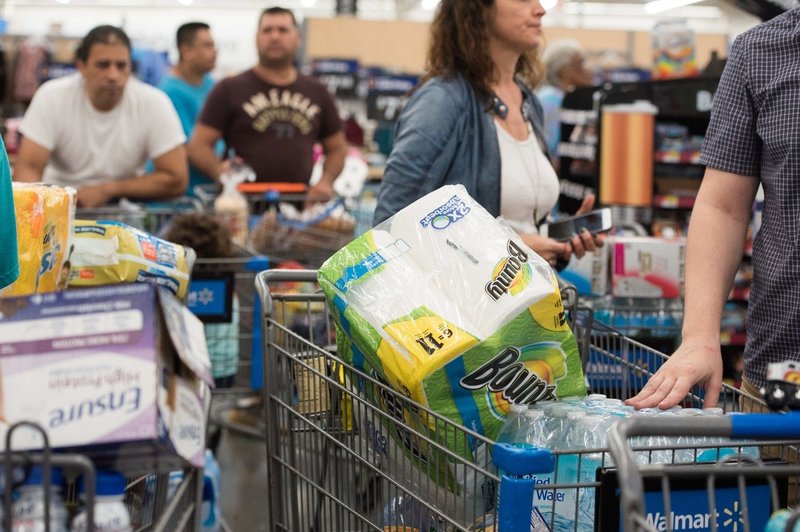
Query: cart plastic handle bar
{"x": 518, "y": 464}
{"x": 628, "y": 476}
{"x": 766, "y": 425}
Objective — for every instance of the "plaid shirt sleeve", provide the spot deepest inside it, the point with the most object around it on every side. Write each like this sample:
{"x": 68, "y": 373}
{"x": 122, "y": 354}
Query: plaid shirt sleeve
{"x": 732, "y": 143}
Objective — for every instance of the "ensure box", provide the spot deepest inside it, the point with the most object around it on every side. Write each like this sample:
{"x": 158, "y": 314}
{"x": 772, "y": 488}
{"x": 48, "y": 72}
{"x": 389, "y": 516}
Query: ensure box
{"x": 120, "y": 370}
{"x": 647, "y": 267}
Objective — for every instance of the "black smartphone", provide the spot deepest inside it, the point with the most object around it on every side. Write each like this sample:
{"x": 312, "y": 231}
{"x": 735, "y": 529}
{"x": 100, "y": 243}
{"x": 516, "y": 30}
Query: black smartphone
{"x": 594, "y": 221}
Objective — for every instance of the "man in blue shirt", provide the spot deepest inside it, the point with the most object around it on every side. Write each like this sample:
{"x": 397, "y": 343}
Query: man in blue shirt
{"x": 189, "y": 82}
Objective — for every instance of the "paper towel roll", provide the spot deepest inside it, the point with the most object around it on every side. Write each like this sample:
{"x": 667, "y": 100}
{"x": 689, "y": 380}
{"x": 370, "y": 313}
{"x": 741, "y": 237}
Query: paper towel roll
{"x": 482, "y": 266}
{"x": 401, "y": 289}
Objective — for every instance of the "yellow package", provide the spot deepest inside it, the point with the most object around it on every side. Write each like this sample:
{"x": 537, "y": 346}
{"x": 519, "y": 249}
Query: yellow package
{"x": 109, "y": 252}
{"x": 45, "y": 214}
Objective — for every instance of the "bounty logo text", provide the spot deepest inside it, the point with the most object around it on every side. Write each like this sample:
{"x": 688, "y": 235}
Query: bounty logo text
{"x": 507, "y": 271}
{"x": 444, "y": 215}
{"x": 507, "y": 375}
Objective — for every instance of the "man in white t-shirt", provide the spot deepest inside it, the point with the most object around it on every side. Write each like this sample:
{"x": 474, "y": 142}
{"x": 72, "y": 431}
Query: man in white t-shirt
{"x": 96, "y": 130}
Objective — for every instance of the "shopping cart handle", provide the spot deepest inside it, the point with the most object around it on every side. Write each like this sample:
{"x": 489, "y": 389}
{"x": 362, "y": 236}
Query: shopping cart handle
{"x": 519, "y": 461}
{"x": 775, "y": 426}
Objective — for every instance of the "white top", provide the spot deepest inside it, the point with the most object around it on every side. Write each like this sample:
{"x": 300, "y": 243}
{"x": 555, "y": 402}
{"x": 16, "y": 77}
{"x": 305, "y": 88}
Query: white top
{"x": 89, "y": 146}
{"x": 528, "y": 183}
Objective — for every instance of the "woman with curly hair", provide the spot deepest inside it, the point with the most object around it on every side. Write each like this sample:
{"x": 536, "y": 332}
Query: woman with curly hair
{"x": 475, "y": 121}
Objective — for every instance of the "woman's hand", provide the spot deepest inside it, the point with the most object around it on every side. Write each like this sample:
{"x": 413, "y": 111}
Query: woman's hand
{"x": 585, "y": 241}
{"x": 547, "y": 248}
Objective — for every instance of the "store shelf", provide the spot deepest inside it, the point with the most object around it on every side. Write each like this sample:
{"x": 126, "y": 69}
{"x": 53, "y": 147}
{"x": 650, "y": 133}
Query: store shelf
{"x": 739, "y": 294}
{"x": 673, "y": 201}
{"x": 729, "y": 338}
{"x": 577, "y": 151}
{"x": 677, "y": 157}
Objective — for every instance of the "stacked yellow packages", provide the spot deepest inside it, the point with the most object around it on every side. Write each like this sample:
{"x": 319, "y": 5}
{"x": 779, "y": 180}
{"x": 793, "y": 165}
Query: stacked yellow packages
{"x": 109, "y": 252}
{"x": 45, "y": 215}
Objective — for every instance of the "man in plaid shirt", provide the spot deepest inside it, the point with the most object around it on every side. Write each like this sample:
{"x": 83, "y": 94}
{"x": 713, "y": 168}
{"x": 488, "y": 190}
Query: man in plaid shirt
{"x": 753, "y": 139}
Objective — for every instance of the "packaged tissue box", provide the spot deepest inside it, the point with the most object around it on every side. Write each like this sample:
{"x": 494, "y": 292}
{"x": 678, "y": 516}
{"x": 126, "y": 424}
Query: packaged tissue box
{"x": 647, "y": 267}
{"x": 449, "y": 307}
{"x": 119, "y": 371}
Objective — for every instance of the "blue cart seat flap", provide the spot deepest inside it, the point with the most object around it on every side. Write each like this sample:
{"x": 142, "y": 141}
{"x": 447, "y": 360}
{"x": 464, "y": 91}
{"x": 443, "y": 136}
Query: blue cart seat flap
{"x": 778, "y": 425}
{"x": 518, "y": 461}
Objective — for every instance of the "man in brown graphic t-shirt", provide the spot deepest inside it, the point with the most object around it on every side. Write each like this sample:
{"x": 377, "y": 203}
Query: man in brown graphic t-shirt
{"x": 271, "y": 115}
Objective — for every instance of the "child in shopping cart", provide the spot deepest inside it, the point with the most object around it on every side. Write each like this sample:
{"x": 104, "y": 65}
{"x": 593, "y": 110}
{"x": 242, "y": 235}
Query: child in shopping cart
{"x": 211, "y": 239}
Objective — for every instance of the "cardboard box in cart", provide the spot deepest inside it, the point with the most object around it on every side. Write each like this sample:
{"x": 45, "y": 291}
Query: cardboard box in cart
{"x": 118, "y": 370}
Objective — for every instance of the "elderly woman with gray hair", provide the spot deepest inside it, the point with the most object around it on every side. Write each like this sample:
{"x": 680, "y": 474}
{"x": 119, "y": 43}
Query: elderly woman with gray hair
{"x": 565, "y": 69}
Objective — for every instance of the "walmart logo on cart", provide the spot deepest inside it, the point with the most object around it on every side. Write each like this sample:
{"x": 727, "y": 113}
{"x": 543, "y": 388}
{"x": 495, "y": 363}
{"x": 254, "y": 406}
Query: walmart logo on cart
{"x": 729, "y": 520}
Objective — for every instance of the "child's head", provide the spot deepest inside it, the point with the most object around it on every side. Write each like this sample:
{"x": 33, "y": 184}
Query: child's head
{"x": 203, "y": 233}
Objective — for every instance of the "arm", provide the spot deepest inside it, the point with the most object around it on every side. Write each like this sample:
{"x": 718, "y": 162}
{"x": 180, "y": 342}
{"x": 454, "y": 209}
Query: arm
{"x": 426, "y": 140}
{"x": 713, "y": 252}
{"x": 201, "y": 150}
{"x": 31, "y": 161}
{"x": 335, "y": 149}
{"x": 168, "y": 180}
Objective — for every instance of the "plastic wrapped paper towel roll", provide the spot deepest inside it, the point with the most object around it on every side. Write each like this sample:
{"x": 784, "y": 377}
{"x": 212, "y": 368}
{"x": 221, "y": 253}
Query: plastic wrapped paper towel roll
{"x": 482, "y": 266}
{"x": 400, "y": 301}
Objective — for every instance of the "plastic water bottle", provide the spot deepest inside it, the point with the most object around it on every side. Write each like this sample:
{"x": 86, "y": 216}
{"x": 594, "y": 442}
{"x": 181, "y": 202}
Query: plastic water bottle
{"x": 594, "y": 430}
{"x": 779, "y": 520}
{"x": 110, "y": 512}
{"x": 28, "y": 508}
{"x": 210, "y": 510}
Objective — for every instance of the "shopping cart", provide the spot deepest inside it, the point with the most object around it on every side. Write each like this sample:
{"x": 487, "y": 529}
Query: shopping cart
{"x": 733, "y": 493}
{"x": 150, "y": 218}
{"x": 336, "y": 461}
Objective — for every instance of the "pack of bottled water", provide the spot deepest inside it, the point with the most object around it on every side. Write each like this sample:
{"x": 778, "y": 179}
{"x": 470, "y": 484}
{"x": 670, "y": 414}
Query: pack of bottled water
{"x": 575, "y": 429}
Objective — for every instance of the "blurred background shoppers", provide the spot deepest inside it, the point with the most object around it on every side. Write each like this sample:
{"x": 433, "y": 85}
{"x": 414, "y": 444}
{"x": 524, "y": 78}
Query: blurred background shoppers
{"x": 188, "y": 82}
{"x": 475, "y": 121}
{"x": 97, "y": 129}
{"x": 564, "y": 70}
{"x": 271, "y": 115}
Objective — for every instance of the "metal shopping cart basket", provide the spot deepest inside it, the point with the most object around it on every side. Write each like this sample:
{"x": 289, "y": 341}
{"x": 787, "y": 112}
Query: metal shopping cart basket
{"x": 673, "y": 459}
{"x": 734, "y": 494}
{"x": 150, "y": 218}
{"x": 336, "y": 462}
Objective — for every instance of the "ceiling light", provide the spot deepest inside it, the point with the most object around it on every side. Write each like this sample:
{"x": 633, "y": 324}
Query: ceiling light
{"x": 429, "y": 5}
{"x": 186, "y": 2}
{"x": 63, "y": 1}
{"x": 308, "y": 3}
{"x": 548, "y": 4}
{"x": 659, "y": 6}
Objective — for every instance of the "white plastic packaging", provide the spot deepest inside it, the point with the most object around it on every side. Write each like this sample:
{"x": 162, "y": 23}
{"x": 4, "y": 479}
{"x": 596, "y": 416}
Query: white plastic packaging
{"x": 110, "y": 512}
{"x": 28, "y": 508}
{"x": 231, "y": 206}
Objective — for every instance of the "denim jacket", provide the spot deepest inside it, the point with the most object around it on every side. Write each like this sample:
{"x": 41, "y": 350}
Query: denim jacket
{"x": 445, "y": 135}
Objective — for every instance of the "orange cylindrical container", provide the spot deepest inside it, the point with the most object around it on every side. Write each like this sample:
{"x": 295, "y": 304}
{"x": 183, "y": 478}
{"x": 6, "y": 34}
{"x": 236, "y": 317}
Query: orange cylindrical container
{"x": 626, "y": 154}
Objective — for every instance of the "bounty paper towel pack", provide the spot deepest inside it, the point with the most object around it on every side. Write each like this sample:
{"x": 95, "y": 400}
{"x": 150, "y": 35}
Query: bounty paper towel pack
{"x": 450, "y": 308}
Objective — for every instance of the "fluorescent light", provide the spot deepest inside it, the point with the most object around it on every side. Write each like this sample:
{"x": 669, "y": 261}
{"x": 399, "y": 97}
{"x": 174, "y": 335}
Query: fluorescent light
{"x": 548, "y": 4}
{"x": 429, "y": 5}
{"x": 308, "y": 3}
{"x": 659, "y": 6}
{"x": 63, "y": 1}
{"x": 612, "y": 9}
{"x": 185, "y": 2}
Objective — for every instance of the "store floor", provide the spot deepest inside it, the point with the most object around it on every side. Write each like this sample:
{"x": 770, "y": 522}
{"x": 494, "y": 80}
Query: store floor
{"x": 241, "y": 454}
{"x": 242, "y": 461}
